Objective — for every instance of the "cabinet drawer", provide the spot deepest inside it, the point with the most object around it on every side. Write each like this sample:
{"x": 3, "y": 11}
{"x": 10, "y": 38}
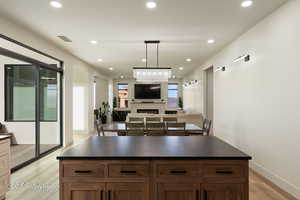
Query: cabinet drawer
{"x": 83, "y": 170}
{"x": 178, "y": 170}
{"x": 128, "y": 171}
{"x": 4, "y": 147}
{"x": 4, "y": 164}
{"x": 4, "y": 183}
{"x": 215, "y": 171}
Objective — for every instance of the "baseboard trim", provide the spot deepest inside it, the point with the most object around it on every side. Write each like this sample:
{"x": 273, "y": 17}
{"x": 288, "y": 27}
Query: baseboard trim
{"x": 286, "y": 189}
{"x": 68, "y": 145}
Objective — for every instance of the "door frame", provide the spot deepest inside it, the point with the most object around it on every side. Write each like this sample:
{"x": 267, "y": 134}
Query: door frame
{"x": 205, "y": 71}
{"x": 38, "y": 64}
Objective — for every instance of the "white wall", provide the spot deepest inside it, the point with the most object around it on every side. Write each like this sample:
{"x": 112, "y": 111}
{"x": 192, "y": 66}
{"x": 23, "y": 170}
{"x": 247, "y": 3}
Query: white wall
{"x": 102, "y": 92}
{"x": 193, "y": 94}
{"x": 193, "y": 97}
{"x": 257, "y": 104}
{"x": 71, "y": 63}
{"x": 85, "y": 77}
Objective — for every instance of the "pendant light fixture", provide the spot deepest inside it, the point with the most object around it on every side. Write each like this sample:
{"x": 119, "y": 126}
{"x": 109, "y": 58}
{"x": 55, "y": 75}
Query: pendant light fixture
{"x": 152, "y": 74}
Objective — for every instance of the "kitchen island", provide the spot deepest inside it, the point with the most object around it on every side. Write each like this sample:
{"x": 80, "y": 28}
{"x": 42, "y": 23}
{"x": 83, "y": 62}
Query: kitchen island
{"x": 154, "y": 168}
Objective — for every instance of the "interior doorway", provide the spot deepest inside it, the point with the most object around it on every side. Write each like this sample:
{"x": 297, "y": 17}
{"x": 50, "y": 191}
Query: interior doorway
{"x": 209, "y": 94}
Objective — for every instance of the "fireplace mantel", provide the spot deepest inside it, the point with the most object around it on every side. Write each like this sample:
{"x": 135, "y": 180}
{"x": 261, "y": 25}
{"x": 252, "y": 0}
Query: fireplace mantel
{"x": 147, "y": 102}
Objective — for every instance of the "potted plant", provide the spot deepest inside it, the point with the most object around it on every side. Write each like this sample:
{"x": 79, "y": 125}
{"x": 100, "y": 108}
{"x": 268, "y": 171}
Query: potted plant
{"x": 115, "y": 105}
{"x": 103, "y": 112}
{"x": 115, "y": 114}
{"x": 180, "y": 103}
{"x": 96, "y": 113}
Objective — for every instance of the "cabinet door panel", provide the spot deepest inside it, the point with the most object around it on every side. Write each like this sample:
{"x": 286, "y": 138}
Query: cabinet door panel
{"x": 77, "y": 191}
{"x": 128, "y": 191}
{"x": 222, "y": 192}
{"x": 170, "y": 191}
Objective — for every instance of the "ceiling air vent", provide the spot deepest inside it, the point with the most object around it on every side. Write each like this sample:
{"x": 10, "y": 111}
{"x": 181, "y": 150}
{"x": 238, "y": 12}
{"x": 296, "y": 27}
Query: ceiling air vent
{"x": 64, "y": 38}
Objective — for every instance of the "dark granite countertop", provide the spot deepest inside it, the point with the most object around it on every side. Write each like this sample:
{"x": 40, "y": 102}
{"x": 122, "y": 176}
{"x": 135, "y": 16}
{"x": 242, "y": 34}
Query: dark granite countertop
{"x": 4, "y": 137}
{"x": 161, "y": 147}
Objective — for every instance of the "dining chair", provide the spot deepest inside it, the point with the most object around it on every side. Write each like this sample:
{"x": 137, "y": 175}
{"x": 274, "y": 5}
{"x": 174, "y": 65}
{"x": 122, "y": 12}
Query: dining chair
{"x": 153, "y": 119}
{"x": 135, "y": 129}
{"x": 207, "y": 126}
{"x": 136, "y": 119}
{"x": 99, "y": 128}
{"x": 122, "y": 133}
{"x": 155, "y": 129}
{"x": 170, "y": 119}
{"x": 199, "y": 132}
{"x": 176, "y": 129}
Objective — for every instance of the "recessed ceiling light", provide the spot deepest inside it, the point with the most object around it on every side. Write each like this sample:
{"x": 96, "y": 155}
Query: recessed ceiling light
{"x": 122, "y": 77}
{"x": 210, "y": 41}
{"x": 144, "y": 60}
{"x": 94, "y": 42}
{"x": 100, "y": 60}
{"x": 246, "y": 4}
{"x": 188, "y": 60}
{"x": 181, "y": 68}
{"x": 173, "y": 76}
{"x": 56, "y": 4}
{"x": 151, "y": 4}
{"x": 111, "y": 68}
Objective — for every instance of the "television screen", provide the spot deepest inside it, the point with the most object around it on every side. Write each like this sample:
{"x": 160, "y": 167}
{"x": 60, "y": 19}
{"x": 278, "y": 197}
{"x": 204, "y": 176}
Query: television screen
{"x": 147, "y": 91}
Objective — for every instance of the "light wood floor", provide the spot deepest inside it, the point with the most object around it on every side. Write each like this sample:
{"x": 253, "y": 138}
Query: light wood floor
{"x": 21, "y": 153}
{"x": 39, "y": 181}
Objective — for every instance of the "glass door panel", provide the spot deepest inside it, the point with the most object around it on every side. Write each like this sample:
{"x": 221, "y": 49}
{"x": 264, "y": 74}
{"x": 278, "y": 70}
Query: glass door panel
{"x": 18, "y": 111}
{"x": 49, "y": 84}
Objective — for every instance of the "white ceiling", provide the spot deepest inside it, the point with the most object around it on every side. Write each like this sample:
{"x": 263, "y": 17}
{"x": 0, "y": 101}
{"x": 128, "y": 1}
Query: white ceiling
{"x": 121, "y": 26}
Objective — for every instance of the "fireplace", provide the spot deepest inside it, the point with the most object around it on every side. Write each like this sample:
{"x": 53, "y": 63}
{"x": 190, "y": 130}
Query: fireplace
{"x": 148, "y": 111}
{"x": 148, "y": 108}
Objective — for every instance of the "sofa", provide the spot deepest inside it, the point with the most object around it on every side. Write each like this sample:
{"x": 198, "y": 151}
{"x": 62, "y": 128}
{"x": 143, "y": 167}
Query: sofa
{"x": 3, "y": 131}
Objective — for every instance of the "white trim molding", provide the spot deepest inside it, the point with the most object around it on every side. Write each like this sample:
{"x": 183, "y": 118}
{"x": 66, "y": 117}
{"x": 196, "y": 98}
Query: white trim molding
{"x": 277, "y": 180}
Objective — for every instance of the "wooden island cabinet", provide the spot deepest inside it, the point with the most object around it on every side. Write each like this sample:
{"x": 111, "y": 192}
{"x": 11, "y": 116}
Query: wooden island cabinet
{"x": 127, "y": 168}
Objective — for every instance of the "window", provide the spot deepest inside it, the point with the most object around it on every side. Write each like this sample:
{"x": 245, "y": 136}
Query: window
{"x": 20, "y": 93}
{"x": 123, "y": 95}
{"x": 172, "y": 95}
{"x": 48, "y": 95}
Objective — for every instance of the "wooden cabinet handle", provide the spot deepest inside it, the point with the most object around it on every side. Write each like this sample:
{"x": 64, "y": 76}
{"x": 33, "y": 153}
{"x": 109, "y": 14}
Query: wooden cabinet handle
{"x": 224, "y": 172}
{"x": 127, "y": 172}
{"x": 178, "y": 171}
{"x": 83, "y": 171}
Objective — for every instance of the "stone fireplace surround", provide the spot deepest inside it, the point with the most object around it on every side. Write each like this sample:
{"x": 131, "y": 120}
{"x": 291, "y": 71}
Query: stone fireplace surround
{"x": 148, "y": 107}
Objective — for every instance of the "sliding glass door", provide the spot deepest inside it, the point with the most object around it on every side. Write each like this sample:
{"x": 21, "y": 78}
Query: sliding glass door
{"x": 31, "y": 110}
{"x": 49, "y": 84}
{"x": 20, "y": 109}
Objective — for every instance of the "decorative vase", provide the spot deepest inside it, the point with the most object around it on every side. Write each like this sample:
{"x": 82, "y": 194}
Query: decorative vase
{"x": 104, "y": 119}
